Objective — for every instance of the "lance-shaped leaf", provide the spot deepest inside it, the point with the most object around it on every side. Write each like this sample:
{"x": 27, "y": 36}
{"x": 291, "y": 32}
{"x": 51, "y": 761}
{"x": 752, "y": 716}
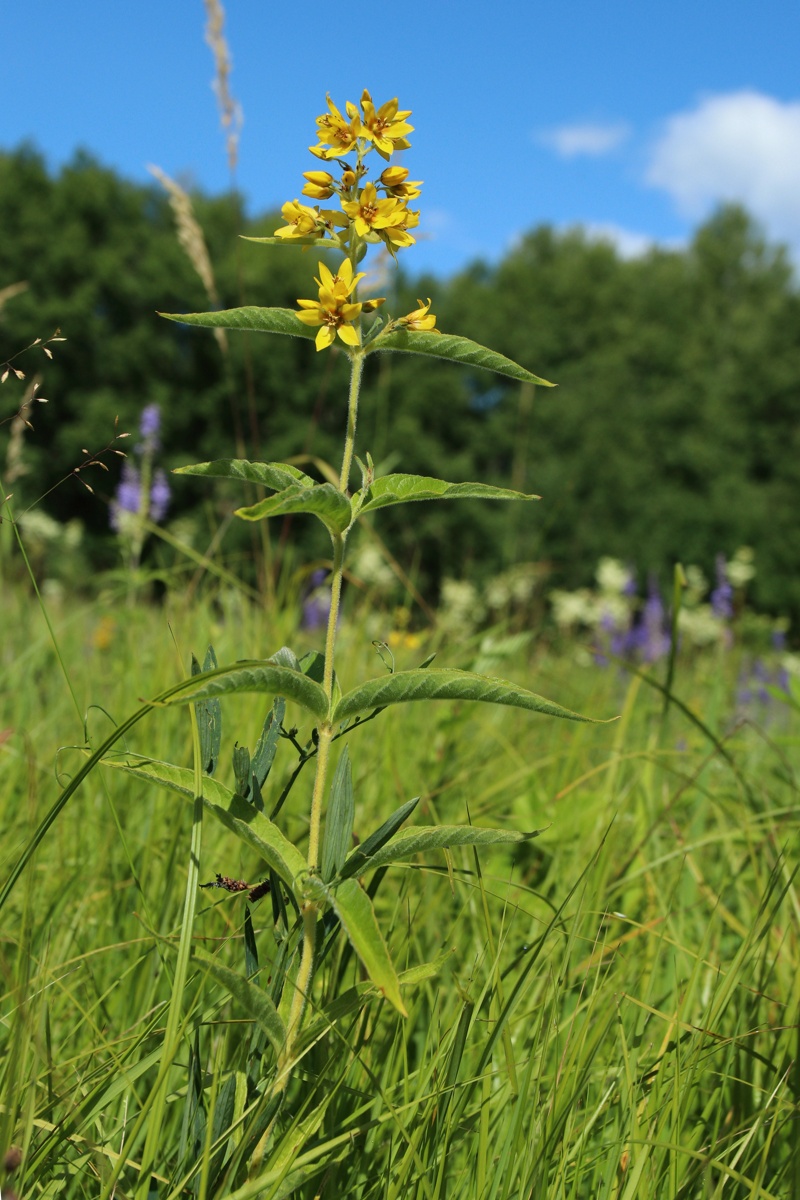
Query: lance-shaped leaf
{"x": 166, "y": 775}
{"x": 251, "y": 676}
{"x": 258, "y": 832}
{"x": 422, "y": 838}
{"x": 338, "y": 819}
{"x": 257, "y": 320}
{"x": 267, "y": 744}
{"x": 275, "y": 476}
{"x": 323, "y": 500}
{"x": 253, "y": 999}
{"x": 231, "y": 810}
{"x": 373, "y": 843}
{"x": 456, "y": 349}
{"x": 444, "y": 684}
{"x": 322, "y": 243}
{"x": 399, "y": 489}
{"x": 428, "y": 970}
{"x": 209, "y": 718}
{"x": 354, "y": 909}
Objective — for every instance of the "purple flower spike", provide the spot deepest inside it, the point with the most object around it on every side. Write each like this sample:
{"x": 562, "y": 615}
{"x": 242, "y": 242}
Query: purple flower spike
{"x": 655, "y": 641}
{"x": 317, "y": 603}
{"x": 149, "y": 425}
{"x": 159, "y": 496}
{"x": 128, "y": 496}
{"x": 722, "y": 595}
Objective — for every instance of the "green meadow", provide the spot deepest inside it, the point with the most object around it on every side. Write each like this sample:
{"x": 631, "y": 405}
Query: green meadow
{"x": 269, "y": 927}
{"x": 608, "y": 1009}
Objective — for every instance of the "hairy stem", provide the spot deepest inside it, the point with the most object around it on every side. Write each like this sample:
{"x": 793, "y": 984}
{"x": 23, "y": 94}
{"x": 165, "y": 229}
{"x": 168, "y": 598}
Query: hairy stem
{"x": 356, "y": 369}
{"x": 305, "y": 971}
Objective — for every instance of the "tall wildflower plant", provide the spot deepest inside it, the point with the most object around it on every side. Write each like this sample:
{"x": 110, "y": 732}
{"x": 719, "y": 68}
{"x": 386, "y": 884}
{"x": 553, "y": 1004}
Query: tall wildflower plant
{"x": 317, "y": 887}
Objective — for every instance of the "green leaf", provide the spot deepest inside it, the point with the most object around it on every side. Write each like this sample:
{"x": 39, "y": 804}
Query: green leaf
{"x": 422, "y": 838}
{"x": 313, "y": 664}
{"x": 267, "y": 744}
{"x": 242, "y": 771}
{"x": 457, "y": 349}
{"x": 257, "y": 320}
{"x": 338, "y": 819}
{"x": 253, "y": 999}
{"x": 258, "y": 832}
{"x": 322, "y": 243}
{"x": 209, "y": 719}
{"x": 235, "y": 813}
{"x": 255, "y": 675}
{"x": 399, "y": 489}
{"x": 364, "y": 852}
{"x": 276, "y": 476}
{"x": 322, "y": 500}
{"x": 426, "y": 971}
{"x": 444, "y": 684}
{"x": 354, "y": 909}
{"x": 170, "y": 777}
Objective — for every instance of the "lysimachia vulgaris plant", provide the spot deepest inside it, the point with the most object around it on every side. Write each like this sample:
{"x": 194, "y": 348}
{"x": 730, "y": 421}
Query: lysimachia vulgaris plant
{"x": 316, "y": 887}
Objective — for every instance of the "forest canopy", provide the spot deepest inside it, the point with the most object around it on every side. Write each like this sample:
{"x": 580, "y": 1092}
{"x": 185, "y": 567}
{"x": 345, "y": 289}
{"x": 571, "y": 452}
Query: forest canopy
{"x": 674, "y": 433}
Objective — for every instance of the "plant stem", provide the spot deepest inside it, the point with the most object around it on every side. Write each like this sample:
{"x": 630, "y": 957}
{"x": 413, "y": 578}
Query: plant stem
{"x": 325, "y": 729}
{"x": 356, "y": 369}
{"x": 305, "y": 971}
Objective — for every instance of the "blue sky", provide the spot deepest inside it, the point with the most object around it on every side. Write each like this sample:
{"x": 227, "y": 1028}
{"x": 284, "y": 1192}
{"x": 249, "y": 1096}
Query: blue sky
{"x": 633, "y": 119}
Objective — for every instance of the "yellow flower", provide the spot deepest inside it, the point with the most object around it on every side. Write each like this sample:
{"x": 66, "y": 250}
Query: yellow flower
{"x": 368, "y": 213}
{"x": 420, "y": 319}
{"x": 333, "y": 312}
{"x": 387, "y": 127}
{"x": 336, "y": 135}
{"x": 343, "y": 282}
{"x": 320, "y": 185}
{"x": 302, "y": 221}
{"x": 395, "y": 234}
{"x": 394, "y": 179}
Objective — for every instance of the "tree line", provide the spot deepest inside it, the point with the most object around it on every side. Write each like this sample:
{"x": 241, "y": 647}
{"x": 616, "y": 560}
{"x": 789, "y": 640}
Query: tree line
{"x": 674, "y": 434}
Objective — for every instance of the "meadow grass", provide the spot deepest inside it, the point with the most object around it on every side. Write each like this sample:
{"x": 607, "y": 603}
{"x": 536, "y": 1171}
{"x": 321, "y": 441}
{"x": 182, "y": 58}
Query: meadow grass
{"x": 609, "y": 1011}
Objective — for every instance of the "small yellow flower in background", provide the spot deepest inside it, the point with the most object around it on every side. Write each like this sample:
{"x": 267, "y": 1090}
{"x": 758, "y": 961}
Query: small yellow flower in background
{"x": 302, "y": 221}
{"x": 336, "y": 135}
{"x": 399, "y": 639}
{"x": 319, "y": 186}
{"x": 420, "y": 320}
{"x": 333, "y": 312}
{"x": 396, "y": 182}
{"x": 386, "y": 127}
{"x": 104, "y": 633}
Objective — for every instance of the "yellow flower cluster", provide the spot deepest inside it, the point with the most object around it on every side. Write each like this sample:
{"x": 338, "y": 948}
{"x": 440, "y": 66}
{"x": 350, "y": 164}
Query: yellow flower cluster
{"x": 370, "y": 213}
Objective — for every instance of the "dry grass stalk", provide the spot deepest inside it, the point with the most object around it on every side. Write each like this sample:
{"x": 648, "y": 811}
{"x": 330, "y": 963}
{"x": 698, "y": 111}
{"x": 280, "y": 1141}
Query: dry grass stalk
{"x": 190, "y": 236}
{"x": 15, "y": 466}
{"x": 230, "y": 110}
{"x": 9, "y": 292}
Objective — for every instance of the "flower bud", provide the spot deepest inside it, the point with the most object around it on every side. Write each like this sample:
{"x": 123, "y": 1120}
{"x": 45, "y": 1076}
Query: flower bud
{"x": 319, "y": 186}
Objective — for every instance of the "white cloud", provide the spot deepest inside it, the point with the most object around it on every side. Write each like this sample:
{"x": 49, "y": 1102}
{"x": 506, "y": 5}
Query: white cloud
{"x": 742, "y": 146}
{"x": 591, "y": 138}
